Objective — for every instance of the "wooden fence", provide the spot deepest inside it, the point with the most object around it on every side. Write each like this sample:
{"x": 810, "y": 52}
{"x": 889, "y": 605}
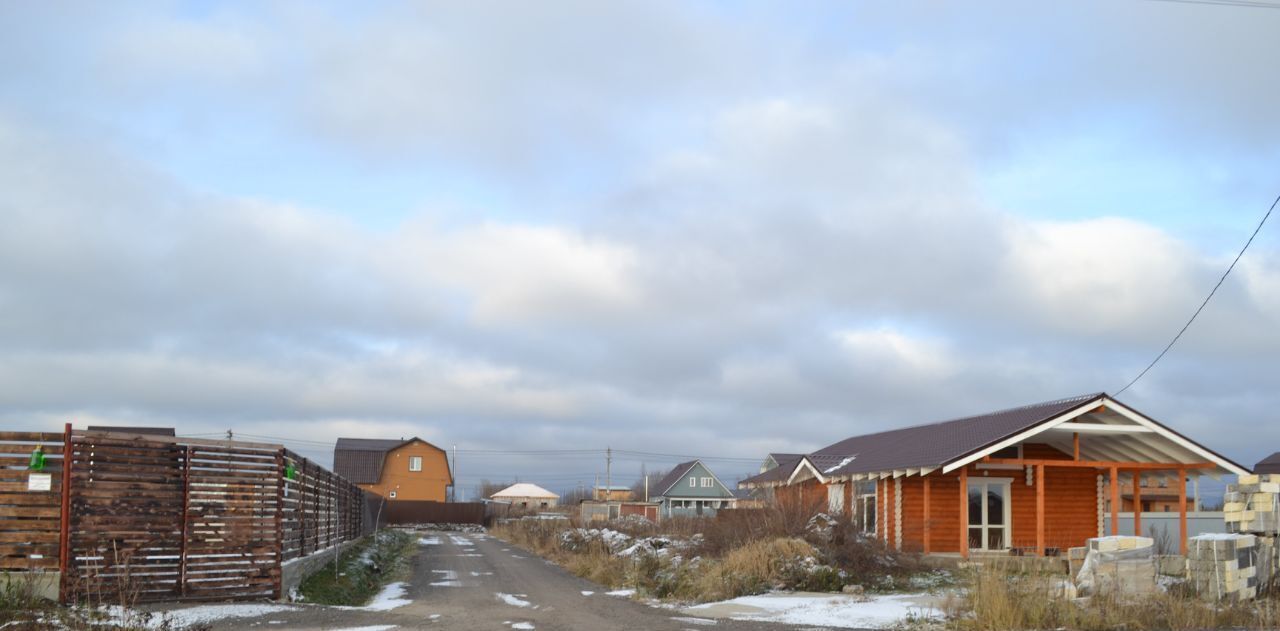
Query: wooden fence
{"x": 30, "y": 519}
{"x": 153, "y": 518}
{"x": 408, "y": 512}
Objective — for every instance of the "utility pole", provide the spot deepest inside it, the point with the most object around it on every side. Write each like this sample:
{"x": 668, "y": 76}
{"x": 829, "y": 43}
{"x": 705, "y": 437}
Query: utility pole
{"x": 230, "y": 436}
{"x": 454, "y": 489}
{"x": 646, "y": 488}
{"x": 608, "y": 472}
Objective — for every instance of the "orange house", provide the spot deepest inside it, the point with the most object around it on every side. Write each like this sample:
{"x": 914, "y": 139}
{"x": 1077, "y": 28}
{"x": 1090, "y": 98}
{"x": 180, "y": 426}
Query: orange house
{"x": 412, "y": 469}
{"x": 1035, "y": 479}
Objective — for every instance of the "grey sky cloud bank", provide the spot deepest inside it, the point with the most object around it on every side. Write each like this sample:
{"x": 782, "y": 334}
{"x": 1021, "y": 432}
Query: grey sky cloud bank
{"x": 695, "y": 232}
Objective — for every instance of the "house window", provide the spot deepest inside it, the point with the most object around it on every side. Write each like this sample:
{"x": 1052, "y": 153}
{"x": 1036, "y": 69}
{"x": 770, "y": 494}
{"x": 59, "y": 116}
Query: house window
{"x": 415, "y": 463}
{"x": 866, "y": 501}
{"x": 693, "y": 482}
{"x": 391, "y": 495}
{"x": 835, "y": 499}
{"x": 706, "y": 483}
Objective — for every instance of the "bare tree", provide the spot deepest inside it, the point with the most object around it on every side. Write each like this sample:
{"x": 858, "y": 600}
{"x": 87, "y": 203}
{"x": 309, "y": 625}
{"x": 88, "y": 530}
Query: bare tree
{"x": 487, "y": 488}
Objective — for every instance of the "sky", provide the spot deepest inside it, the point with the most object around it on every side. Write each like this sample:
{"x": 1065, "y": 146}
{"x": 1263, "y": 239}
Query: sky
{"x": 668, "y": 228}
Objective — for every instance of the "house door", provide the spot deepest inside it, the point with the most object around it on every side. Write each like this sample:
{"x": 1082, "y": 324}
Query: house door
{"x": 698, "y": 507}
{"x": 989, "y": 514}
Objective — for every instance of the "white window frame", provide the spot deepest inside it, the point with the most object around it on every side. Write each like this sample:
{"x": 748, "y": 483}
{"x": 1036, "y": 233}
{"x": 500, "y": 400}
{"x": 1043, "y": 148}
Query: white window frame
{"x": 415, "y": 463}
{"x": 1007, "y": 526}
{"x": 693, "y": 482}
{"x": 707, "y": 483}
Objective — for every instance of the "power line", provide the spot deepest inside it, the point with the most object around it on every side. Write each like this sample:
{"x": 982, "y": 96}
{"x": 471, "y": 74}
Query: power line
{"x": 1206, "y": 298}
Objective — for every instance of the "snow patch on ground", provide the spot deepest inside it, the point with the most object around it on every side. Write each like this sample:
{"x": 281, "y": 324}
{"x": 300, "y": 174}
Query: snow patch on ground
{"x": 199, "y": 615}
{"x": 449, "y": 575}
{"x": 830, "y": 610}
{"x": 585, "y": 593}
{"x": 373, "y": 627}
{"x": 625, "y": 593}
{"x": 429, "y": 541}
{"x": 389, "y": 598}
{"x": 512, "y": 600}
{"x": 458, "y": 540}
{"x": 522, "y": 625}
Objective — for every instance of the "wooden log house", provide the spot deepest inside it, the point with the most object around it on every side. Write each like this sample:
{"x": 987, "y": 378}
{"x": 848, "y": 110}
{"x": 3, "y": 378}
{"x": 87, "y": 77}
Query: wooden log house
{"x": 1035, "y": 479}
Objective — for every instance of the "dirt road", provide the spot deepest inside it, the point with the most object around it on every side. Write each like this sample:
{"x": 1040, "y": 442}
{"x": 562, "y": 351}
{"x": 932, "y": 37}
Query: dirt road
{"x": 474, "y": 582}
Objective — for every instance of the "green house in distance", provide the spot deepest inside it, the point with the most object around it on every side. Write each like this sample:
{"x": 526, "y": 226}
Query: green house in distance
{"x": 692, "y": 490}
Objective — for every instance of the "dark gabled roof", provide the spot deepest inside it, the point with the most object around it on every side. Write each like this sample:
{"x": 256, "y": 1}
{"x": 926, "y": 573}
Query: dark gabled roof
{"x": 936, "y": 444}
{"x": 360, "y": 459}
{"x": 128, "y": 429}
{"x": 672, "y": 478}
{"x": 785, "y": 459}
{"x": 777, "y": 475}
{"x": 1270, "y": 464}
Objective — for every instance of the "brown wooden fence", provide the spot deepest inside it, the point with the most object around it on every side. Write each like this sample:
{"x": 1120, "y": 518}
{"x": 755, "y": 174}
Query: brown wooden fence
{"x": 408, "y": 512}
{"x": 30, "y": 519}
{"x": 159, "y": 518}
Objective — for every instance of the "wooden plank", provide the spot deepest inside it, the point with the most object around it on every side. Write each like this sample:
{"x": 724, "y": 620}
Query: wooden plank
{"x": 1182, "y": 512}
{"x": 1040, "y": 547}
{"x": 29, "y": 537}
{"x": 49, "y": 450}
{"x": 1115, "y": 501}
{"x": 30, "y": 511}
{"x": 32, "y": 436}
{"x": 1137, "y": 503}
{"x": 1105, "y": 464}
{"x": 964, "y": 512}
{"x": 205, "y": 444}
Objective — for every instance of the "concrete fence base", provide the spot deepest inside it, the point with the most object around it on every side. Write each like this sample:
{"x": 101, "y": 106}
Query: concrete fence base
{"x": 294, "y": 571}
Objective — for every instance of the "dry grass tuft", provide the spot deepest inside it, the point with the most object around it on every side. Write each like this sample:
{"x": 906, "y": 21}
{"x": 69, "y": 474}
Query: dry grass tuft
{"x": 1002, "y": 598}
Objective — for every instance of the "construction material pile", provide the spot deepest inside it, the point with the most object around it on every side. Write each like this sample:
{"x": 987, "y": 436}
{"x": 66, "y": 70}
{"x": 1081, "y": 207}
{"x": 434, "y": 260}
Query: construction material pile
{"x": 1120, "y": 565}
{"x": 1252, "y": 505}
{"x": 1229, "y": 566}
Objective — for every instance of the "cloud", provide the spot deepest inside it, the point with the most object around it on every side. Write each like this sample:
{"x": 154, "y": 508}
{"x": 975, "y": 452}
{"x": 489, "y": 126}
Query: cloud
{"x": 710, "y": 231}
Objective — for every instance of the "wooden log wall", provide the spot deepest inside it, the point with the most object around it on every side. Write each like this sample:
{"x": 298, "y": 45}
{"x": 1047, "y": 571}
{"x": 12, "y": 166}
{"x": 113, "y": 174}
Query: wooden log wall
{"x": 29, "y": 519}
{"x": 164, "y": 519}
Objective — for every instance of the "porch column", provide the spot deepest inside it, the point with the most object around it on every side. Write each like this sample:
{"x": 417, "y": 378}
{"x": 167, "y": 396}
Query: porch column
{"x": 964, "y": 513}
{"x": 1182, "y": 511}
{"x": 1040, "y": 509}
{"x": 927, "y": 528}
{"x": 1137, "y": 503}
{"x": 1115, "y": 501}
{"x": 1075, "y": 445}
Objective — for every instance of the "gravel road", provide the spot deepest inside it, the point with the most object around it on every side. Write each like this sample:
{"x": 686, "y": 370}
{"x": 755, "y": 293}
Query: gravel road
{"x": 475, "y": 582}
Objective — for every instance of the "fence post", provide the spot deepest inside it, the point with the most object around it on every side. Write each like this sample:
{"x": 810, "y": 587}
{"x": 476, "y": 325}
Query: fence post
{"x": 64, "y": 528}
{"x": 280, "y": 482}
{"x": 186, "y": 521}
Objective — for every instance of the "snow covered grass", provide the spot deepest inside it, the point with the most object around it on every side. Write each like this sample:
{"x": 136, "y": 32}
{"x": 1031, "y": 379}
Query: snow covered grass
{"x": 189, "y": 617}
{"x": 736, "y": 553}
{"x": 389, "y": 597}
{"x": 362, "y": 571}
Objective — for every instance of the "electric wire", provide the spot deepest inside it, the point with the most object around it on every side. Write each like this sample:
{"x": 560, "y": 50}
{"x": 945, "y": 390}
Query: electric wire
{"x": 1206, "y": 298}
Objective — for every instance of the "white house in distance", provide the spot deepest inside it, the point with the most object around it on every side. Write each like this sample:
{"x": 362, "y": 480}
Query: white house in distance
{"x": 526, "y": 496}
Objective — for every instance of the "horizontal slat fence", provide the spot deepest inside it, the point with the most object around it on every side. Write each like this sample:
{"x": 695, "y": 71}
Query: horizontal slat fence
{"x": 155, "y": 518}
{"x": 29, "y": 519}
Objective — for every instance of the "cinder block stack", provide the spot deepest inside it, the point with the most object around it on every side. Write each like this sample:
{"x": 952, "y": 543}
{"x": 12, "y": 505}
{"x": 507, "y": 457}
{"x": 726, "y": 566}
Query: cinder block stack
{"x": 1252, "y": 505}
{"x": 1118, "y": 564}
{"x": 1225, "y": 566}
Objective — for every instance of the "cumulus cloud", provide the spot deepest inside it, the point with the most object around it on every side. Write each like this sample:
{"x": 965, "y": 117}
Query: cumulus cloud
{"x": 738, "y": 241}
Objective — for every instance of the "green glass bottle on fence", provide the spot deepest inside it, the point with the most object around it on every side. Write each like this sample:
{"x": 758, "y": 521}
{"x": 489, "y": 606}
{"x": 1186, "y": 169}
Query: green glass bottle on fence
{"x": 37, "y": 459}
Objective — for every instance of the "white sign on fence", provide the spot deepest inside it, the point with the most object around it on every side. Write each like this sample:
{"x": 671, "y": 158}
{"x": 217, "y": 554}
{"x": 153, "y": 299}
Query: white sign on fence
{"x": 40, "y": 482}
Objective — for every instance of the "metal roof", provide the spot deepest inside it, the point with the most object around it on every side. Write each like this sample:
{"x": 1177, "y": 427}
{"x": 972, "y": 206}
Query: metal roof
{"x": 672, "y": 478}
{"x": 360, "y": 459}
{"x": 951, "y": 443}
{"x": 1270, "y": 464}
{"x": 936, "y": 444}
{"x": 129, "y": 429}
